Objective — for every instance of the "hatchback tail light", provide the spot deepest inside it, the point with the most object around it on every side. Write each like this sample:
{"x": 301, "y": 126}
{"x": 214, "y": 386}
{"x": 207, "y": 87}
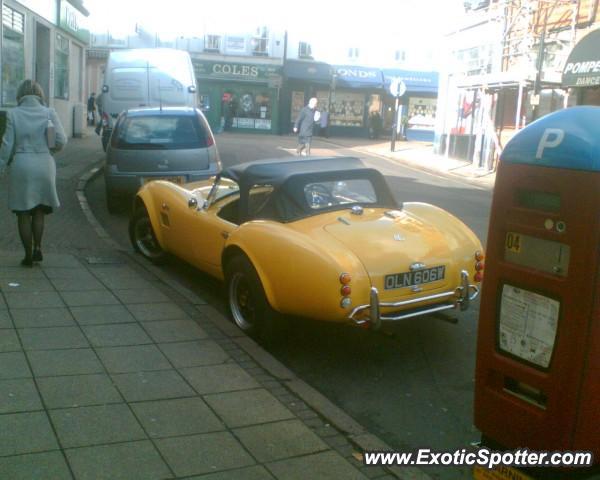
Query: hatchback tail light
{"x": 210, "y": 140}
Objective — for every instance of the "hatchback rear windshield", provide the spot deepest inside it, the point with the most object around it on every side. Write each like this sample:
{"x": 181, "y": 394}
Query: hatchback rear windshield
{"x": 167, "y": 132}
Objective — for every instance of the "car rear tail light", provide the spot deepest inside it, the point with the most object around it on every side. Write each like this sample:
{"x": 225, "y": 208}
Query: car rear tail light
{"x": 479, "y": 266}
{"x": 210, "y": 140}
{"x": 478, "y": 276}
{"x": 345, "y": 278}
{"x": 479, "y": 256}
{"x": 346, "y": 290}
{"x": 346, "y": 302}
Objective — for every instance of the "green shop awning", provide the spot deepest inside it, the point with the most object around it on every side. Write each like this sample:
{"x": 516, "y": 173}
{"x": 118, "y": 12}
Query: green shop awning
{"x": 583, "y": 65}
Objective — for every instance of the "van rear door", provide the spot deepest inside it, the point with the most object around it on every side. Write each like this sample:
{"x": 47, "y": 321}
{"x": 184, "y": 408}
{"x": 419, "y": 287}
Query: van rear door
{"x": 167, "y": 89}
{"x": 129, "y": 88}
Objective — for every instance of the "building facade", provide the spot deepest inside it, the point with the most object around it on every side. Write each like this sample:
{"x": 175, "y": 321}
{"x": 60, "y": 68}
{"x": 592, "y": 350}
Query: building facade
{"x": 46, "y": 41}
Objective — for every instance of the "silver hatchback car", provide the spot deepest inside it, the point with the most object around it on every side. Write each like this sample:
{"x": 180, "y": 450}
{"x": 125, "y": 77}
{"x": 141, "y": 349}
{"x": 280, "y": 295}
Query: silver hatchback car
{"x": 171, "y": 143}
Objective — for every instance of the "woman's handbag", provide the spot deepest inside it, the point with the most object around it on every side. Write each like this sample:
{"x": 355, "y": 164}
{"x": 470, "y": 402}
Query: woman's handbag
{"x": 50, "y": 133}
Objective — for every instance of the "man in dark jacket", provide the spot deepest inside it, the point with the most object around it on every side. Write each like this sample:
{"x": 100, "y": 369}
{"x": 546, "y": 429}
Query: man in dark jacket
{"x": 304, "y": 126}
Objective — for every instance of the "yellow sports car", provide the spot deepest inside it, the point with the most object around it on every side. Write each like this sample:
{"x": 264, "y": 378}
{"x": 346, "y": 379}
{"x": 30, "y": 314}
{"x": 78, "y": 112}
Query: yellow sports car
{"x": 321, "y": 238}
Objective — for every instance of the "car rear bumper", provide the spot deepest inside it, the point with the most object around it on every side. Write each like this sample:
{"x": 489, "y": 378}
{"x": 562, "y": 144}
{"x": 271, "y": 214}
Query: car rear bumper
{"x": 458, "y": 298}
{"x": 129, "y": 183}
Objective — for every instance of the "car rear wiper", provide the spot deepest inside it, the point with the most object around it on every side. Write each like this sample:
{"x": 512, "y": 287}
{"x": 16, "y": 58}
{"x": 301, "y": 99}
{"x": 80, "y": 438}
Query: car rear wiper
{"x": 149, "y": 145}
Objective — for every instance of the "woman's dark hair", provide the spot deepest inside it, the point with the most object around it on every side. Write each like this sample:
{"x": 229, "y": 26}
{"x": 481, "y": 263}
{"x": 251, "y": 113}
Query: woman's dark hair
{"x": 30, "y": 87}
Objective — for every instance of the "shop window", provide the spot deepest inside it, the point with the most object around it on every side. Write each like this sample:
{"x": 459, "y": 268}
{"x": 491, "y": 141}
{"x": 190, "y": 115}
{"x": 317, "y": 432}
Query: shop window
{"x": 400, "y": 55}
{"x": 260, "y": 42}
{"x": 353, "y": 53}
{"x": 421, "y": 112}
{"x": 251, "y": 109}
{"x": 212, "y": 43}
{"x": 347, "y": 109}
{"x": 61, "y": 67}
{"x": 304, "y": 50}
{"x": 13, "y": 54}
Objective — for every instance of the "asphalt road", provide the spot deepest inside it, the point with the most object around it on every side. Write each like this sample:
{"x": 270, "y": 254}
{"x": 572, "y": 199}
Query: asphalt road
{"x": 413, "y": 385}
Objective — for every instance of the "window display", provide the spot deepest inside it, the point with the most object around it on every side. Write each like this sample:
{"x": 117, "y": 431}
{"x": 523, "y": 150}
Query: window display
{"x": 297, "y": 105}
{"x": 347, "y": 109}
{"x": 421, "y": 112}
{"x": 250, "y": 109}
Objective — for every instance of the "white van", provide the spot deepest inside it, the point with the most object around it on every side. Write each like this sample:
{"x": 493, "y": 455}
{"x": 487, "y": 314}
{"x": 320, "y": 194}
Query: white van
{"x": 146, "y": 77}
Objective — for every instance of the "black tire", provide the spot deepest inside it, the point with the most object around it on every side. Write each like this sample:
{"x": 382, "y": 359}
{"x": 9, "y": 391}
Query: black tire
{"x": 250, "y": 309}
{"x": 143, "y": 239}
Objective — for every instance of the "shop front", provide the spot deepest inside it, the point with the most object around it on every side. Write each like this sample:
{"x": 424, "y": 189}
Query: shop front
{"x": 239, "y": 96}
{"x": 303, "y": 79}
{"x": 355, "y": 101}
{"x": 582, "y": 71}
{"x": 419, "y": 103}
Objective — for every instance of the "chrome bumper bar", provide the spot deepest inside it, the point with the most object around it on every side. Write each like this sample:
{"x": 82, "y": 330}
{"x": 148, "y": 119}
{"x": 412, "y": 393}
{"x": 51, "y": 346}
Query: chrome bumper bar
{"x": 461, "y": 297}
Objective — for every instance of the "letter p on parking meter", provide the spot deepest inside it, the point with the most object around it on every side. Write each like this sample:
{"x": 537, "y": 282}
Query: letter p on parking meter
{"x": 538, "y": 346}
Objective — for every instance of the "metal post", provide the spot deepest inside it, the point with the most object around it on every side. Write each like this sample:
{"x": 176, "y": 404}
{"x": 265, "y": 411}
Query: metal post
{"x": 519, "y": 106}
{"x": 537, "y": 86}
{"x": 395, "y": 124}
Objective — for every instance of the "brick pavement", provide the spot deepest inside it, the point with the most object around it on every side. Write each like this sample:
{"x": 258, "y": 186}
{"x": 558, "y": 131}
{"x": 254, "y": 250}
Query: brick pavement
{"x": 109, "y": 371}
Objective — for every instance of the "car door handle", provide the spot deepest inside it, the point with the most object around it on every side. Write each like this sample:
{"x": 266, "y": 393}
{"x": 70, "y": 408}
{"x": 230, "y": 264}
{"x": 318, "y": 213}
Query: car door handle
{"x": 225, "y": 235}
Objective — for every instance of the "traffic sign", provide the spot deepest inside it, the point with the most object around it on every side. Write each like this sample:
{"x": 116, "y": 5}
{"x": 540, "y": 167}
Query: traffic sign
{"x": 397, "y": 87}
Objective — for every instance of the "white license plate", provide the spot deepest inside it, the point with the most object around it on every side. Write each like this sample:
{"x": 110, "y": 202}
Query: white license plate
{"x": 179, "y": 180}
{"x": 418, "y": 277}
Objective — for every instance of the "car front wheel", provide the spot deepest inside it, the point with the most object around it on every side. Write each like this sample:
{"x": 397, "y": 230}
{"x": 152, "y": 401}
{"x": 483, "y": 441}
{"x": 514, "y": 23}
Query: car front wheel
{"x": 143, "y": 238}
{"x": 248, "y": 303}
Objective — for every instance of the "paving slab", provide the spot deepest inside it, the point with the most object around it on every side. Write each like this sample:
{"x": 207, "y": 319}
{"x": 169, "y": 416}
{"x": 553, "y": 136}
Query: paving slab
{"x": 16, "y": 273}
{"x": 205, "y": 453}
{"x": 74, "y": 284}
{"x": 219, "y": 378}
{"x": 89, "y": 297}
{"x": 63, "y": 260}
{"x": 194, "y": 354}
{"x": 257, "y": 472}
{"x": 14, "y": 365}
{"x": 116, "y": 335}
{"x": 5, "y": 319}
{"x": 9, "y": 341}
{"x": 85, "y": 426}
{"x": 26, "y": 285}
{"x": 275, "y": 441}
{"x": 124, "y": 461}
{"x": 64, "y": 362}
{"x": 102, "y": 314}
{"x": 182, "y": 416}
{"x": 139, "y": 358}
{"x": 19, "y": 395}
{"x": 141, "y": 295}
{"x": 26, "y": 433}
{"x": 42, "y": 317}
{"x": 33, "y": 300}
{"x": 174, "y": 331}
{"x": 248, "y": 407}
{"x": 163, "y": 384}
{"x": 157, "y": 311}
{"x": 35, "y": 466}
{"x": 324, "y": 466}
{"x": 78, "y": 390}
{"x": 125, "y": 282}
{"x": 52, "y": 338}
{"x": 68, "y": 273}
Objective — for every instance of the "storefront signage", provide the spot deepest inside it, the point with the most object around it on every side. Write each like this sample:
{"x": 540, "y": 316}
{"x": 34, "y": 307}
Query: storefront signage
{"x": 356, "y": 73}
{"x": 349, "y": 76}
{"x": 73, "y": 21}
{"x": 236, "y": 71}
{"x": 582, "y": 68}
{"x": 44, "y": 8}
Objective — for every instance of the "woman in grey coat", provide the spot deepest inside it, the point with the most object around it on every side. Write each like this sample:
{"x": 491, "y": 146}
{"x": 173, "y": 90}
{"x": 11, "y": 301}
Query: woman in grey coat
{"x": 32, "y": 170}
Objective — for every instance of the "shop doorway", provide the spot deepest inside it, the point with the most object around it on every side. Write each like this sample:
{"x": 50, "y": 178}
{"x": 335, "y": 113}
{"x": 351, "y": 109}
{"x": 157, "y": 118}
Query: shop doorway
{"x": 42, "y": 58}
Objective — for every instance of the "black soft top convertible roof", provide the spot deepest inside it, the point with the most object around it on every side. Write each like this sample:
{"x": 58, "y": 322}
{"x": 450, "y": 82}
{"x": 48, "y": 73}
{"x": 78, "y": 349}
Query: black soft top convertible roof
{"x": 288, "y": 177}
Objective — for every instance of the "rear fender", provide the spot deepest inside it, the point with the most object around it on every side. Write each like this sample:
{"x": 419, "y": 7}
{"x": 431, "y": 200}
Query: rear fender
{"x": 300, "y": 275}
{"x": 145, "y": 198}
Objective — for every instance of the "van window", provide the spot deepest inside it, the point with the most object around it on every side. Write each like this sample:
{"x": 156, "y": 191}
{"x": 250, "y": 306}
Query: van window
{"x": 168, "y": 132}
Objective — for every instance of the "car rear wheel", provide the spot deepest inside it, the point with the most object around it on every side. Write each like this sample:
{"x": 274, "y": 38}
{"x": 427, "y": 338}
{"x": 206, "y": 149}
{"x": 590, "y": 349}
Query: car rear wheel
{"x": 143, "y": 238}
{"x": 248, "y": 303}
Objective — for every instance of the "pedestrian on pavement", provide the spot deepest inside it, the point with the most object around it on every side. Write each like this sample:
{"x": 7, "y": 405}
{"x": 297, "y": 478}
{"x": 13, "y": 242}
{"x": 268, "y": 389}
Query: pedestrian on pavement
{"x": 91, "y": 109}
{"x": 99, "y": 125}
{"x": 33, "y": 133}
{"x": 324, "y": 124}
{"x": 304, "y": 126}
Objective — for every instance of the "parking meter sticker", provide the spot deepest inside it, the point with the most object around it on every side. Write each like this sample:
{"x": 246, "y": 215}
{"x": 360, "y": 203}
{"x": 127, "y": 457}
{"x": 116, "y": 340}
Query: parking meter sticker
{"x": 528, "y": 323}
